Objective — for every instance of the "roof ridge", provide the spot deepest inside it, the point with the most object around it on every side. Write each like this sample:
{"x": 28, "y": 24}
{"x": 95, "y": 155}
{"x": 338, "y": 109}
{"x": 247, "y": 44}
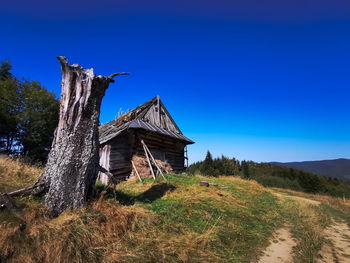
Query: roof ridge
{"x": 134, "y": 119}
{"x": 131, "y": 114}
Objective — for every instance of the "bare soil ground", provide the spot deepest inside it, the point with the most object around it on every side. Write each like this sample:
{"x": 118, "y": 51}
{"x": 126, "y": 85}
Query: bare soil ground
{"x": 280, "y": 249}
{"x": 337, "y": 247}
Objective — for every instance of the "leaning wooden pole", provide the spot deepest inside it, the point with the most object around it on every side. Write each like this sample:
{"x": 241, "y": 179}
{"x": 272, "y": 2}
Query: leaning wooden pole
{"x": 149, "y": 162}
{"x": 153, "y": 160}
{"x": 137, "y": 173}
{"x": 73, "y": 161}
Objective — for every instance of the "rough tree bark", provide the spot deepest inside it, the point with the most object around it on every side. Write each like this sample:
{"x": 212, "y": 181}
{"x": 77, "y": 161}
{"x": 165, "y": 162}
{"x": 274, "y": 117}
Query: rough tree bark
{"x": 73, "y": 161}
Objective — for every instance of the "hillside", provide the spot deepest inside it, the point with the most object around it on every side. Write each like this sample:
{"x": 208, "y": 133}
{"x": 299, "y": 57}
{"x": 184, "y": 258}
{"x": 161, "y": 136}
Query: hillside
{"x": 232, "y": 220}
{"x": 271, "y": 175}
{"x": 338, "y": 168}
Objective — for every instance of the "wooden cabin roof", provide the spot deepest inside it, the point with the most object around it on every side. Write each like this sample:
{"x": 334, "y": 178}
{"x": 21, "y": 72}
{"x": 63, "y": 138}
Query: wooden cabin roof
{"x": 151, "y": 116}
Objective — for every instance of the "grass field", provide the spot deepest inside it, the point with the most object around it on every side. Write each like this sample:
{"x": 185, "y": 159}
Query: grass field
{"x": 173, "y": 221}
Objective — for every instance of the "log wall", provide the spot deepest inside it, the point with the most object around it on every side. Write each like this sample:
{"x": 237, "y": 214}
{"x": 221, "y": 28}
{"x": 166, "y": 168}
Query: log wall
{"x": 122, "y": 148}
{"x": 104, "y": 162}
{"x": 121, "y": 154}
{"x": 163, "y": 148}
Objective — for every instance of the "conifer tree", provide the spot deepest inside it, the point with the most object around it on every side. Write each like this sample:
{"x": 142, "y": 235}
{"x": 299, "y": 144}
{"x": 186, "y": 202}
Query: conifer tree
{"x": 245, "y": 169}
{"x": 207, "y": 167}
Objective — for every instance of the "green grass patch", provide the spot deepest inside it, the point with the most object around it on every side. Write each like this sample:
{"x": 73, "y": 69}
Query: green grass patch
{"x": 306, "y": 222}
{"x": 335, "y": 213}
{"x": 176, "y": 220}
{"x": 237, "y": 217}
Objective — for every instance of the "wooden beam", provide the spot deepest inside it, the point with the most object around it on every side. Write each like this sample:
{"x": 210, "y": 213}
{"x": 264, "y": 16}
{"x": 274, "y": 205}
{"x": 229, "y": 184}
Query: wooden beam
{"x": 150, "y": 154}
{"x": 149, "y": 162}
{"x": 137, "y": 173}
{"x": 159, "y": 115}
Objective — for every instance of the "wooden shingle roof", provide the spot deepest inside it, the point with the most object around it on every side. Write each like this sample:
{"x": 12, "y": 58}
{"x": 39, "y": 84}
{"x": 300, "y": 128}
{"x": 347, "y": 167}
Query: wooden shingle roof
{"x": 151, "y": 116}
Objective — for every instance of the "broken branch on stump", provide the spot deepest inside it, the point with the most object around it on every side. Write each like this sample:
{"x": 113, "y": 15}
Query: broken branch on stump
{"x": 111, "y": 180}
{"x": 105, "y": 171}
{"x": 117, "y": 74}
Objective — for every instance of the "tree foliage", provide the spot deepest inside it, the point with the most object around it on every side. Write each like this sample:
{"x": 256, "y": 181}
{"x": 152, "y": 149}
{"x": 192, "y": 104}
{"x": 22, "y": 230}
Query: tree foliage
{"x": 9, "y": 107}
{"x": 215, "y": 167}
{"x": 28, "y": 116}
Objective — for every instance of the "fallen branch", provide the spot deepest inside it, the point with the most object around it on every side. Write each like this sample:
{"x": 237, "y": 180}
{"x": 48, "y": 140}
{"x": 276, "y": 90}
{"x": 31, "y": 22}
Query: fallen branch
{"x": 25, "y": 190}
{"x": 111, "y": 180}
{"x": 7, "y": 202}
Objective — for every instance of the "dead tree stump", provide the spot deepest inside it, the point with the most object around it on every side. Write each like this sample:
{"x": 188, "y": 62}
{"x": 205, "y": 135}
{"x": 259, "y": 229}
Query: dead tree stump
{"x": 73, "y": 161}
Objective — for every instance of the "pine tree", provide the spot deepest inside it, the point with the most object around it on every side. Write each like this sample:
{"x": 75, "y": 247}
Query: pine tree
{"x": 207, "y": 167}
{"x": 245, "y": 169}
{"x": 208, "y": 159}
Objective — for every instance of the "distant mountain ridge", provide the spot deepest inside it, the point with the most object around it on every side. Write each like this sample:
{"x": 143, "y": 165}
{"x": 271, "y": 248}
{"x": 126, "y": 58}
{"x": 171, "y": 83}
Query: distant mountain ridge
{"x": 337, "y": 168}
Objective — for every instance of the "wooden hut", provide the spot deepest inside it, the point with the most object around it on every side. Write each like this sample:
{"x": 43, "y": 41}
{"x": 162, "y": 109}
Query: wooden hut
{"x": 121, "y": 141}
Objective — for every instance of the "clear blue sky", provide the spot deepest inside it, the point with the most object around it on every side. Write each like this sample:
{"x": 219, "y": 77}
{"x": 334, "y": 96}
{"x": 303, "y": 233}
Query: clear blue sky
{"x": 258, "y": 80}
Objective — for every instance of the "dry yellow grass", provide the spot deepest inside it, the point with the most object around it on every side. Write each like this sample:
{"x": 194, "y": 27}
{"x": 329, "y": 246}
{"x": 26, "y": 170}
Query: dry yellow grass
{"x": 15, "y": 174}
{"x": 103, "y": 232}
{"x": 237, "y": 216}
{"x": 231, "y": 222}
{"x": 309, "y": 216}
{"x": 193, "y": 194}
{"x": 96, "y": 234}
{"x": 343, "y": 204}
{"x": 308, "y": 224}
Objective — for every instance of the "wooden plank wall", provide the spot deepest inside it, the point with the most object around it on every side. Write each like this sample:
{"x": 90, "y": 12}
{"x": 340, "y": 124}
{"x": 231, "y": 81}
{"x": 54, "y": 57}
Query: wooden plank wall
{"x": 160, "y": 119}
{"x": 123, "y": 147}
{"x": 104, "y": 162}
{"x": 162, "y": 147}
{"x": 121, "y": 154}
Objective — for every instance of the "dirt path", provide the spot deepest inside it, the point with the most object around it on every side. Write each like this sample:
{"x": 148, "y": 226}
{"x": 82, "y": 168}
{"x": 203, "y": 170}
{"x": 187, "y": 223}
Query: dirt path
{"x": 335, "y": 250}
{"x": 280, "y": 249}
{"x": 298, "y": 198}
{"x": 337, "y": 247}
